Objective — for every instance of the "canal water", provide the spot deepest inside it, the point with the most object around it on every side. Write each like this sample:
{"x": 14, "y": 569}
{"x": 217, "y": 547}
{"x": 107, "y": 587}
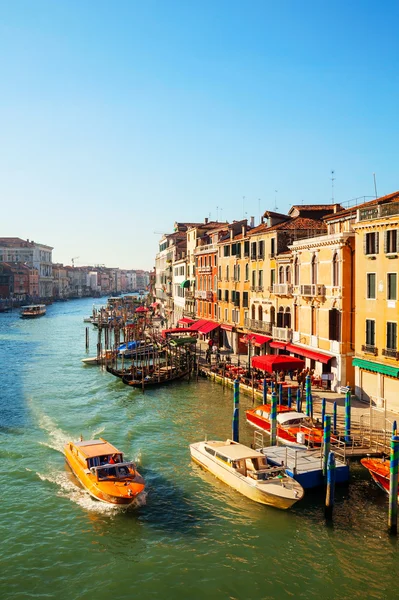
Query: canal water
{"x": 193, "y": 538}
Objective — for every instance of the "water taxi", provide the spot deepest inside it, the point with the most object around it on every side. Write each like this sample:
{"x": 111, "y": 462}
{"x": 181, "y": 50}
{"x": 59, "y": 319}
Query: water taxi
{"x": 103, "y": 472}
{"x": 292, "y": 427}
{"x": 32, "y": 311}
{"x": 379, "y": 469}
{"x": 247, "y": 471}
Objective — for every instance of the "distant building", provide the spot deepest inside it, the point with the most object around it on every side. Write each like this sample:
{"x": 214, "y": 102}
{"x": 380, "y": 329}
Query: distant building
{"x": 39, "y": 256}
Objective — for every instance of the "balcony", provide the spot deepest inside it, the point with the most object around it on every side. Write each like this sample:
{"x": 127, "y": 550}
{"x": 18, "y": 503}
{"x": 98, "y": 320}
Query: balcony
{"x": 206, "y": 269}
{"x": 255, "y": 325}
{"x": 282, "y": 289}
{"x": 201, "y": 294}
{"x": 368, "y": 349}
{"x": 312, "y": 290}
{"x": 390, "y": 353}
{"x": 283, "y": 334}
{"x": 205, "y": 248}
{"x": 378, "y": 212}
{"x": 259, "y": 288}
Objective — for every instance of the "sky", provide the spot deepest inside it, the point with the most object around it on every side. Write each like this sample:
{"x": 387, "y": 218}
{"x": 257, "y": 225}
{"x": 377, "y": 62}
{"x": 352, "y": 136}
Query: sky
{"x": 119, "y": 118}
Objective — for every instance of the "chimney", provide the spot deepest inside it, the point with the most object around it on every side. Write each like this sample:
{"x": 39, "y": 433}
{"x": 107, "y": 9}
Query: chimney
{"x": 252, "y": 222}
{"x": 243, "y": 230}
{"x": 206, "y": 220}
{"x": 231, "y": 233}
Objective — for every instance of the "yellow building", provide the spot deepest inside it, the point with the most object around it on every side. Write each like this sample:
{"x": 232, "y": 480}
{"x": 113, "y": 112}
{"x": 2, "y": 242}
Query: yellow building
{"x": 377, "y": 311}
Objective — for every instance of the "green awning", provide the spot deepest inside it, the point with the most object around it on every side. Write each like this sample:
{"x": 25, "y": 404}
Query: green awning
{"x": 376, "y": 367}
{"x": 185, "y": 283}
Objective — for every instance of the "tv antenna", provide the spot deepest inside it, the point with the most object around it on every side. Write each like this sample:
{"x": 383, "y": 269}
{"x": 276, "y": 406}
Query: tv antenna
{"x": 332, "y": 185}
{"x": 73, "y": 260}
{"x": 375, "y": 186}
{"x": 275, "y": 200}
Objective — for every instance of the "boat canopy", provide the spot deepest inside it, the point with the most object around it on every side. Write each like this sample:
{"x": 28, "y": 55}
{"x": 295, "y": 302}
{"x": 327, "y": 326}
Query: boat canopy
{"x": 290, "y": 416}
{"x": 233, "y": 451}
{"x": 91, "y": 448}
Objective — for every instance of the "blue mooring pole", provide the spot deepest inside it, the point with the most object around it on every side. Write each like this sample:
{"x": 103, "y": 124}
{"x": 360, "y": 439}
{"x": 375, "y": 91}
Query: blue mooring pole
{"x": 348, "y": 417}
{"x": 289, "y": 397}
{"x": 393, "y": 486}
{"x": 264, "y": 391}
{"x": 335, "y": 418}
{"x": 330, "y": 493}
{"x": 236, "y": 427}
{"x": 326, "y": 443}
{"x": 280, "y": 394}
{"x": 273, "y": 420}
{"x": 298, "y": 400}
{"x": 323, "y": 411}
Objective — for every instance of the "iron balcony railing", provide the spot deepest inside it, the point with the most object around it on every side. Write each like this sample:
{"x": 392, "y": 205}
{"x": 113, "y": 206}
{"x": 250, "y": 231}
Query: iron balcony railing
{"x": 378, "y": 212}
{"x": 391, "y": 353}
{"x": 313, "y": 289}
{"x": 255, "y": 325}
{"x": 369, "y": 349}
{"x": 282, "y": 333}
{"x": 282, "y": 289}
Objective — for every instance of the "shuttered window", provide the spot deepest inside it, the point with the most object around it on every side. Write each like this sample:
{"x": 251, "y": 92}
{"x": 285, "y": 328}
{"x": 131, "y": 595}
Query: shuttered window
{"x": 391, "y": 336}
{"x": 391, "y": 241}
{"x": 370, "y": 242}
{"x": 392, "y": 286}
{"x": 371, "y": 286}
{"x": 370, "y": 332}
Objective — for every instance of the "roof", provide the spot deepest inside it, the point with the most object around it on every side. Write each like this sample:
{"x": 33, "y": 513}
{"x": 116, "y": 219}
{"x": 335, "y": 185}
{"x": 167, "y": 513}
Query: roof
{"x": 234, "y": 451}
{"x": 289, "y": 416}
{"x": 353, "y": 209}
{"x": 91, "y": 448}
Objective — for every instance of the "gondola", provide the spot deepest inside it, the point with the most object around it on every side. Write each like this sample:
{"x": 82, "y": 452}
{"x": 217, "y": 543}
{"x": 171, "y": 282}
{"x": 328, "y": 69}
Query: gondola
{"x": 154, "y": 380}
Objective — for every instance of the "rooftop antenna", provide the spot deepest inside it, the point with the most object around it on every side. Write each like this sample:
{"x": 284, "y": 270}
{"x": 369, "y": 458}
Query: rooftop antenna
{"x": 332, "y": 186}
{"x": 275, "y": 200}
{"x": 375, "y": 186}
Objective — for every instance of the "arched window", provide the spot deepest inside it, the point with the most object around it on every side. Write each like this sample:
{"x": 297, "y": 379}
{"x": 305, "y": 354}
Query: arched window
{"x": 314, "y": 269}
{"x": 247, "y": 272}
{"x": 281, "y": 275}
{"x": 272, "y": 315}
{"x": 253, "y": 312}
{"x": 313, "y": 323}
{"x": 296, "y": 318}
{"x": 238, "y": 273}
{"x": 280, "y": 317}
{"x": 296, "y": 271}
{"x": 260, "y": 313}
{"x": 335, "y": 270}
{"x": 288, "y": 275}
{"x": 287, "y": 317}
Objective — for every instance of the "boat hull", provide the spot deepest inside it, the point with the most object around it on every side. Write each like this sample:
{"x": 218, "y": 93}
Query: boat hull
{"x": 379, "y": 471}
{"x": 287, "y": 436}
{"x": 242, "y": 485}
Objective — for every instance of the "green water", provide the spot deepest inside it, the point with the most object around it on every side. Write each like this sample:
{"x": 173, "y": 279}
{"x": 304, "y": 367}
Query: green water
{"x": 193, "y": 538}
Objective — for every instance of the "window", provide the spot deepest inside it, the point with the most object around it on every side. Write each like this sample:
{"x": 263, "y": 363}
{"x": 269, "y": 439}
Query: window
{"x": 219, "y": 294}
{"x": 272, "y": 247}
{"x": 370, "y": 332}
{"x": 371, "y": 289}
{"x": 272, "y": 277}
{"x": 227, "y": 273}
{"x": 335, "y": 270}
{"x": 280, "y": 317}
{"x": 226, "y": 295}
{"x": 247, "y": 272}
{"x": 226, "y": 314}
{"x": 296, "y": 272}
{"x": 261, "y": 250}
{"x": 391, "y": 336}
{"x": 253, "y": 278}
{"x": 313, "y": 321}
{"x": 238, "y": 273}
{"x": 296, "y": 318}
{"x": 226, "y": 250}
{"x": 371, "y": 243}
{"x": 253, "y": 251}
{"x": 238, "y": 249}
{"x": 281, "y": 275}
{"x": 288, "y": 274}
{"x": 260, "y": 278}
{"x": 391, "y": 241}
{"x": 246, "y": 248}
{"x": 245, "y": 299}
{"x": 220, "y": 273}
{"x": 314, "y": 269}
{"x": 260, "y": 313}
{"x": 237, "y": 299}
{"x": 392, "y": 286}
{"x": 334, "y": 325}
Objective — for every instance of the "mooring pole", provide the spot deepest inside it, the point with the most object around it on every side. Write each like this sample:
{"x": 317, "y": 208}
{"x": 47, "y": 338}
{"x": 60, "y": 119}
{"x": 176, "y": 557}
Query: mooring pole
{"x": 289, "y": 397}
{"x": 264, "y": 391}
{"x": 323, "y": 411}
{"x": 236, "y": 398}
{"x": 298, "y": 400}
{"x": 330, "y": 494}
{"x": 335, "y": 410}
{"x": 326, "y": 443}
{"x": 273, "y": 420}
{"x": 393, "y": 486}
{"x": 280, "y": 394}
{"x": 348, "y": 417}
{"x": 87, "y": 338}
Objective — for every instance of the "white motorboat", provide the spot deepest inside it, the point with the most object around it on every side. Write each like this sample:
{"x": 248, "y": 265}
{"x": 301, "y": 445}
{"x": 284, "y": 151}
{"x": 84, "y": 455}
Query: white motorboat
{"x": 247, "y": 471}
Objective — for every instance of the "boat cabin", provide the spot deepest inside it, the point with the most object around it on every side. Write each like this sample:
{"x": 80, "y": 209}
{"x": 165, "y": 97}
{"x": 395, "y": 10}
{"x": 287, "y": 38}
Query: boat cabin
{"x": 241, "y": 459}
{"x": 33, "y": 310}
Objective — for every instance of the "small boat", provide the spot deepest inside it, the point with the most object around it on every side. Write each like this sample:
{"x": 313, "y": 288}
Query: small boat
{"x": 379, "y": 471}
{"x": 247, "y": 471}
{"x": 33, "y": 311}
{"x": 292, "y": 427}
{"x": 103, "y": 472}
{"x": 162, "y": 377}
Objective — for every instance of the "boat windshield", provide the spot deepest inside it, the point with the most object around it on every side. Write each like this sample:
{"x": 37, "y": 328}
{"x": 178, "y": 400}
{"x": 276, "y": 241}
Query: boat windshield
{"x": 117, "y": 471}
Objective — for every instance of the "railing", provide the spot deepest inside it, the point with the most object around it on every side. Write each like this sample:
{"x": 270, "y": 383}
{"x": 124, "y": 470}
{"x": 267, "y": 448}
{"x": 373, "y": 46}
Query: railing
{"x": 259, "y": 288}
{"x": 200, "y": 294}
{"x": 282, "y": 289}
{"x": 369, "y": 349}
{"x": 282, "y": 333}
{"x": 377, "y": 212}
{"x": 206, "y": 269}
{"x": 390, "y": 353}
{"x": 253, "y": 256}
{"x": 256, "y": 325}
{"x": 205, "y": 248}
{"x": 313, "y": 289}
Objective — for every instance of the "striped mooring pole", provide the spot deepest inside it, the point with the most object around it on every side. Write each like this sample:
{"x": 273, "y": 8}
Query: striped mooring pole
{"x": 280, "y": 394}
{"x": 335, "y": 411}
{"x": 289, "y": 397}
{"x": 273, "y": 420}
{"x": 323, "y": 411}
{"x": 326, "y": 443}
{"x": 236, "y": 427}
{"x": 393, "y": 486}
{"x": 264, "y": 391}
{"x": 330, "y": 493}
{"x": 348, "y": 417}
{"x": 298, "y": 400}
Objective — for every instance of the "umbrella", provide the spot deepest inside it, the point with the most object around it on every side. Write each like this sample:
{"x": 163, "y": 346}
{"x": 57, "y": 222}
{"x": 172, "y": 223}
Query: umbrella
{"x": 277, "y": 362}
{"x": 142, "y": 309}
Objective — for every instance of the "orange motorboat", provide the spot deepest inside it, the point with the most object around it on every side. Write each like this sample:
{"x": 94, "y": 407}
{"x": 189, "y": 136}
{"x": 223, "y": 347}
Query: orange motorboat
{"x": 379, "y": 471}
{"x": 102, "y": 471}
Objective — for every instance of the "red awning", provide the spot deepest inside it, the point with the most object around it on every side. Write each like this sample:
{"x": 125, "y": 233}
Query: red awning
{"x": 186, "y": 320}
{"x": 323, "y": 358}
{"x": 142, "y": 309}
{"x": 165, "y": 332}
{"x": 208, "y": 327}
{"x": 256, "y": 340}
{"x": 154, "y": 304}
{"x": 197, "y": 325}
{"x": 226, "y": 327}
{"x": 281, "y": 345}
{"x": 280, "y": 362}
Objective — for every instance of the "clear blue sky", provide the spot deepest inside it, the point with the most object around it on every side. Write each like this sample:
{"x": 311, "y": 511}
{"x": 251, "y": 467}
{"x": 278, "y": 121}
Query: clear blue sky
{"x": 118, "y": 118}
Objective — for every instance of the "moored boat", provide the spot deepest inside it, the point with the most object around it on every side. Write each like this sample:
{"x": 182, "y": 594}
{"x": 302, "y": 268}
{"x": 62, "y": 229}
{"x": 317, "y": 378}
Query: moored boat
{"x": 292, "y": 427}
{"x": 247, "y": 471}
{"x": 161, "y": 377}
{"x": 32, "y": 311}
{"x": 379, "y": 471}
{"x": 103, "y": 472}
